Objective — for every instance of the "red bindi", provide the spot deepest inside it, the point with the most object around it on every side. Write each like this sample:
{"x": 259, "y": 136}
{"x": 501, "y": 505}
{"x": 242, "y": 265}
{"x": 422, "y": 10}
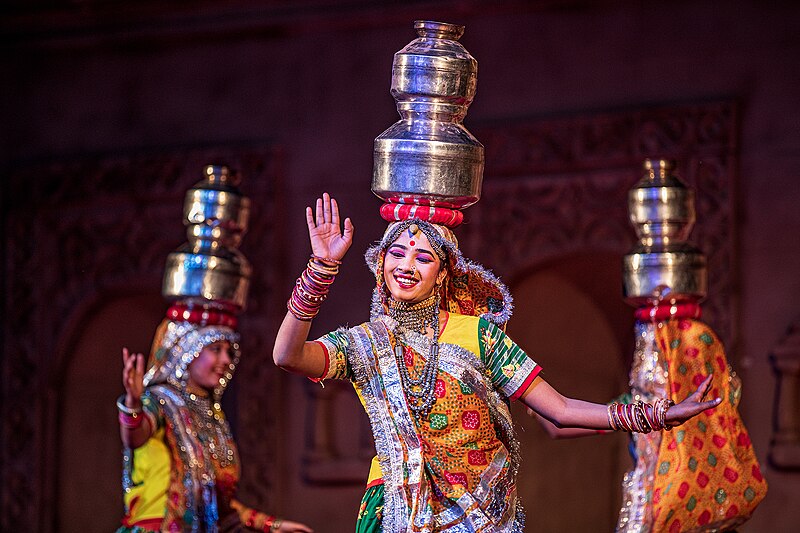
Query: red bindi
{"x": 412, "y": 243}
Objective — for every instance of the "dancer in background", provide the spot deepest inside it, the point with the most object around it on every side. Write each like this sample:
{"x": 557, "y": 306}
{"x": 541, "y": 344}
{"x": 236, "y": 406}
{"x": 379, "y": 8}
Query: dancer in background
{"x": 181, "y": 465}
{"x": 704, "y": 476}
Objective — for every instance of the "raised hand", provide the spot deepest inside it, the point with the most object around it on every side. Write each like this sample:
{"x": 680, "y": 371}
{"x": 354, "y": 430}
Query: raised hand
{"x": 132, "y": 377}
{"x": 327, "y": 239}
{"x": 693, "y": 405}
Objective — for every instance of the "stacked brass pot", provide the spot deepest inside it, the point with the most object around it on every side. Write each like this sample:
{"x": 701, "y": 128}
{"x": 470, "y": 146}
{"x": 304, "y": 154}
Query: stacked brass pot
{"x": 209, "y": 269}
{"x": 428, "y": 157}
{"x": 663, "y": 266}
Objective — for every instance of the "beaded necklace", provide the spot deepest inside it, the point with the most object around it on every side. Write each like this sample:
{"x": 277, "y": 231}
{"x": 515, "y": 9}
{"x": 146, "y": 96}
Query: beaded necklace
{"x": 210, "y": 427}
{"x": 420, "y": 391}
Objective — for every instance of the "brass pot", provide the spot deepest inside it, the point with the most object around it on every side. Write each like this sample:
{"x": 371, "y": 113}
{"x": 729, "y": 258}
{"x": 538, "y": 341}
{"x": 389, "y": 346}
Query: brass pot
{"x": 428, "y": 157}
{"x": 662, "y": 266}
{"x": 209, "y": 269}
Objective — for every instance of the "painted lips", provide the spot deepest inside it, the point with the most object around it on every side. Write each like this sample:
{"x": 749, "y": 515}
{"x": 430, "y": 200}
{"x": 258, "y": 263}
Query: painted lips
{"x": 405, "y": 281}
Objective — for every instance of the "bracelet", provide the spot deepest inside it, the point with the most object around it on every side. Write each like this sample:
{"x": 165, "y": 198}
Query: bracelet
{"x": 125, "y": 409}
{"x": 611, "y": 423}
{"x": 639, "y": 417}
{"x": 326, "y": 260}
{"x": 130, "y": 421}
{"x": 276, "y": 524}
{"x": 311, "y": 289}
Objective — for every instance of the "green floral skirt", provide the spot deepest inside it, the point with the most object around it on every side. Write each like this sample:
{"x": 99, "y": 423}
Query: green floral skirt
{"x": 370, "y": 513}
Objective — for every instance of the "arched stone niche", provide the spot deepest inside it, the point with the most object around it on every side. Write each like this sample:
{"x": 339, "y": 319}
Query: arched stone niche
{"x": 567, "y": 323}
{"x": 88, "y": 383}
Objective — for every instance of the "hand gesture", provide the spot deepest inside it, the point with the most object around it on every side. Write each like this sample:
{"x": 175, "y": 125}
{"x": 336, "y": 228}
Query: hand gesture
{"x": 327, "y": 239}
{"x": 693, "y": 405}
{"x": 132, "y": 378}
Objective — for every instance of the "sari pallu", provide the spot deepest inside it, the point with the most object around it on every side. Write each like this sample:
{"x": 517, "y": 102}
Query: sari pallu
{"x": 413, "y": 500}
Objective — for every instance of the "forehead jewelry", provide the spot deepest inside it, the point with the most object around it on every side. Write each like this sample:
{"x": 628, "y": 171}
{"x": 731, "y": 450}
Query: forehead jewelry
{"x": 413, "y": 229}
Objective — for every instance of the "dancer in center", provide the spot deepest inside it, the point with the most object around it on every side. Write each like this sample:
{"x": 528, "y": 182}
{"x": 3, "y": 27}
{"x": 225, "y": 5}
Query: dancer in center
{"x": 435, "y": 372}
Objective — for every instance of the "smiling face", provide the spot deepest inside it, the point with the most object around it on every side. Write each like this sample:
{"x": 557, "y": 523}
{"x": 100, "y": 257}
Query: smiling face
{"x": 210, "y": 366}
{"x": 411, "y": 269}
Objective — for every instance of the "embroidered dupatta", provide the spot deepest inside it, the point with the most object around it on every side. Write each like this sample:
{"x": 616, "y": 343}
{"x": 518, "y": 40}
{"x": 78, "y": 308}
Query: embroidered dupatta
{"x": 492, "y": 505}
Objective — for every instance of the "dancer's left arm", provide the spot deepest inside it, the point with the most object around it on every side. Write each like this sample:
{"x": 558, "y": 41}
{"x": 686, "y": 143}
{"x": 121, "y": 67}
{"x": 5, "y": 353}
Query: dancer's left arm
{"x": 564, "y": 412}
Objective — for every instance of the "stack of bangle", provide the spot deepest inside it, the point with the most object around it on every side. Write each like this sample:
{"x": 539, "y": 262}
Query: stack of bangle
{"x": 639, "y": 417}
{"x": 129, "y": 418}
{"x": 311, "y": 288}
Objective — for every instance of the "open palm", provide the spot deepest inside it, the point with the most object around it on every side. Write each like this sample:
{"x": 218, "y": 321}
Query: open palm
{"x": 327, "y": 239}
{"x": 132, "y": 377}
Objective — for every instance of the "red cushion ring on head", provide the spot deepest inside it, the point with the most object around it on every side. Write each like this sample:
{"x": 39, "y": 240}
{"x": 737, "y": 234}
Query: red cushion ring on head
{"x": 201, "y": 316}
{"x": 392, "y": 212}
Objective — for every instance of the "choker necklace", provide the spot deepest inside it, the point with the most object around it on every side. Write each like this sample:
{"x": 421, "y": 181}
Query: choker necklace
{"x": 419, "y": 391}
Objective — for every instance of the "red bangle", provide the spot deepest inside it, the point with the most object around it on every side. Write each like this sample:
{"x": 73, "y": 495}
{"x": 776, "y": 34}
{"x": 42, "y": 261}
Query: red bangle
{"x": 129, "y": 421}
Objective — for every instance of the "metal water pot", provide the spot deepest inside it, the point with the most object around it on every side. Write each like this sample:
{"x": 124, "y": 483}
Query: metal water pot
{"x": 662, "y": 266}
{"x": 428, "y": 157}
{"x": 209, "y": 269}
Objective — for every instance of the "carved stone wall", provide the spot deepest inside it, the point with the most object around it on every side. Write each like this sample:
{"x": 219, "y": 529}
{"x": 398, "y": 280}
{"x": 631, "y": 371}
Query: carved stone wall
{"x": 81, "y": 230}
{"x": 784, "y": 446}
{"x": 559, "y": 186}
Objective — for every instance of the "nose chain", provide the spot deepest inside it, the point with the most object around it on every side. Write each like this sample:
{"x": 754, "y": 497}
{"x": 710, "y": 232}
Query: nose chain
{"x": 419, "y": 391}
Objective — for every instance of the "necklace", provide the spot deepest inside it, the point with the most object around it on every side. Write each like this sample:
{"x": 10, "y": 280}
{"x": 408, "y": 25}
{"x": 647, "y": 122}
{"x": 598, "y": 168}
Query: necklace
{"x": 210, "y": 427}
{"x": 420, "y": 391}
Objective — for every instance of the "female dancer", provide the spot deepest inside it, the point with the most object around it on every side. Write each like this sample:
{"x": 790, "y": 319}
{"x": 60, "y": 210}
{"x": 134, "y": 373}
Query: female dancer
{"x": 181, "y": 466}
{"x": 435, "y": 372}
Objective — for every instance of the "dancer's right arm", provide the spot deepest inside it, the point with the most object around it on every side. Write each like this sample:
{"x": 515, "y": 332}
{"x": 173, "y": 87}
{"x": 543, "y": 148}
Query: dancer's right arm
{"x": 293, "y": 351}
{"x": 132, "y": 380}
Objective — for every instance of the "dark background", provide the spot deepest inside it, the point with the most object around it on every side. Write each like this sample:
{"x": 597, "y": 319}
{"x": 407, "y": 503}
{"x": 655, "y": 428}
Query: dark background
{"x": 109, "y": 110}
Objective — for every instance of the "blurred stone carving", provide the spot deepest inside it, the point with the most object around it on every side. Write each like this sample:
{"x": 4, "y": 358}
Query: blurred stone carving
{"x": 784, "y": 447}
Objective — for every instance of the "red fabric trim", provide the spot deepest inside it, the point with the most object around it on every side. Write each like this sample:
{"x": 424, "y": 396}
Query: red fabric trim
{"x": 527, "y": 383}
{"x": 374, "y": 483}
{"x": 446, "y": 320}
{"x": 327, "y": 363}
